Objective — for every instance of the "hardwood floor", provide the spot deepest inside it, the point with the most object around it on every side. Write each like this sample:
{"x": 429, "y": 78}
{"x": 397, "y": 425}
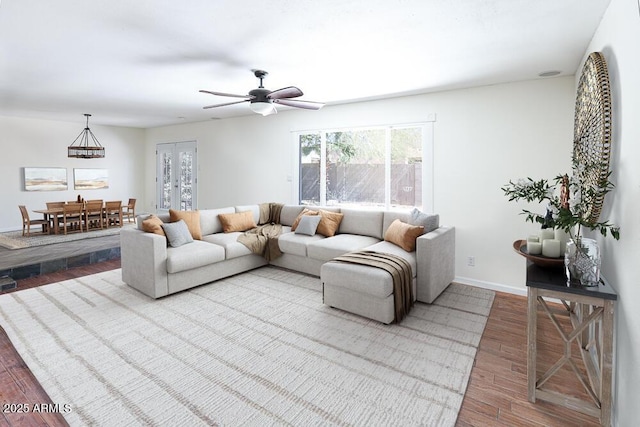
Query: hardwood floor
{"x": 496, "y": 394}
{"x": 497, "y": 390}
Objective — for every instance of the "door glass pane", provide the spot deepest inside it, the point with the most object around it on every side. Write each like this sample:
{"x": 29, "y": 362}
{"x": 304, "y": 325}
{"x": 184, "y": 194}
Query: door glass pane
{"x": 309, "y": 169}
{"x": 186, "y": 181}
{"x": 356, "y": 168}
{"x": 406, "y": 167}
{"x": 165, "y": 164}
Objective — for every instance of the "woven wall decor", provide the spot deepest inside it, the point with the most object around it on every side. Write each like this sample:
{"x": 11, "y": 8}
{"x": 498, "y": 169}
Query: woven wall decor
{"x": 592, "y": 131}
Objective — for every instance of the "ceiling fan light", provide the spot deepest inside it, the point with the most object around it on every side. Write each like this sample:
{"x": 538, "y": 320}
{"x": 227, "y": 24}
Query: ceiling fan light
{"x": 264, "y": 108}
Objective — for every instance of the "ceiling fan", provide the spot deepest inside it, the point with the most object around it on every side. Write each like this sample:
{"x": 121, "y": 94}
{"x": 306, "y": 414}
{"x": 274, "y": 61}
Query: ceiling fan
{"x": 262, "y": 100}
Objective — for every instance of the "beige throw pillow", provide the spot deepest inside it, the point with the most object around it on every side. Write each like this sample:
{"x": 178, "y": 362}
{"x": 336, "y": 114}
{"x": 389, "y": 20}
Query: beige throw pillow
{"x": 403, "y": 235}
{"x": 153, "y": 224}
{"x": 241, "y": 221}
{"x": 191, "y": 218}
{"x": 329, "y": 223}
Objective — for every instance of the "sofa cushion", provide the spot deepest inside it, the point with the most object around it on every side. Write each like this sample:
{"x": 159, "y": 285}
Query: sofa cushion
{"x": 362, "y": 222}
{"x": 194, "y": 255}
{"x": 209, "y": 221}
{"x": 153, "y": 224}
{"x": 329, "y": 222}
{"x": 360, "y": 279}
{"x": 177, "y": 233}
{"x": 240, "y": 221}
{"x": 331, "y": 247}
{"x": 429, "y": 221}
{"x": 390, "y": 248}
{"x": 403, "y": 234}
{"x": 296, "y": 244}
{"x": 191, "y": 218}
{"x": 289, "y": 214}
{"x": 229, "y": 241}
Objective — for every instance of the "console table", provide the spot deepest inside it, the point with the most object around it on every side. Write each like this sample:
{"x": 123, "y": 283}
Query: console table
{"x": 591, "y": 311}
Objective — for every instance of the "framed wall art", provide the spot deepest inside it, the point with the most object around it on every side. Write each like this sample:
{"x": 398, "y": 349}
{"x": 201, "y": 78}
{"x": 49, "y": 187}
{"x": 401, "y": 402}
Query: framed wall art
{"x": 90, "y": 179}
{"x": 45, "y": 179}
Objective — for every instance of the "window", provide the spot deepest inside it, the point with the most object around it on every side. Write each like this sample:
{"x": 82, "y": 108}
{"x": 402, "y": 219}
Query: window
{"x": 377, "y": 167}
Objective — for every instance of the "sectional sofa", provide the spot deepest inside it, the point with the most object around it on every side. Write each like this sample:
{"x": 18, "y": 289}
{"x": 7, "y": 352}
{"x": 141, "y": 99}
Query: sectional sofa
{"x": 156, "y": 269}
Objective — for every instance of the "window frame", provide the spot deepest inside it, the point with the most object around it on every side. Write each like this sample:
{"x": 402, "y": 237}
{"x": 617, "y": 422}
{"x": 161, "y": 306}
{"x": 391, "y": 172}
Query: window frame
{"x": 427, "y": 159}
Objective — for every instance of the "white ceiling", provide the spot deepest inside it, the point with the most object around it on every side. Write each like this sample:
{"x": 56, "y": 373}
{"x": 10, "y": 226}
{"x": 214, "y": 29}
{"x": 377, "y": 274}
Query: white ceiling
{"x": 141, "y": 63}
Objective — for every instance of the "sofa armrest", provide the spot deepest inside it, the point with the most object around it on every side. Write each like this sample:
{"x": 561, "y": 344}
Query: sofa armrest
{"x": 144, "y": 261}
{"x": 435, "y": 256}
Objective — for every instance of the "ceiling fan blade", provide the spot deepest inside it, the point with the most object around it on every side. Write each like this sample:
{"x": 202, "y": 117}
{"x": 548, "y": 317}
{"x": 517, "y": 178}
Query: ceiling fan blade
{"x": 285, "y": 92}
{"x": 226, "y": 94}
{"x": 225, "y": 104}
{"x": 309, "y": 105}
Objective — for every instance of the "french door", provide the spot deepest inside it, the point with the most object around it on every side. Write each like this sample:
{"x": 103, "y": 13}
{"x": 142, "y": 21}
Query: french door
{"x": 176, "y": 176}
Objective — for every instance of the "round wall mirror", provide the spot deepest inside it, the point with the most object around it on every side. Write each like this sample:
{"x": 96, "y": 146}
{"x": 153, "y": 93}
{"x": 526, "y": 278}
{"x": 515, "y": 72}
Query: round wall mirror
{"x": 592, "y": 133}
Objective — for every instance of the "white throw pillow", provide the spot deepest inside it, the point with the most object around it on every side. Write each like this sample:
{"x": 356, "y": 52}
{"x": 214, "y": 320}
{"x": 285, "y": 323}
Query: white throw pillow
{"x": 177, "y": 233}
{"x": 308, "y": 224}
{"x": 429, "y": 221}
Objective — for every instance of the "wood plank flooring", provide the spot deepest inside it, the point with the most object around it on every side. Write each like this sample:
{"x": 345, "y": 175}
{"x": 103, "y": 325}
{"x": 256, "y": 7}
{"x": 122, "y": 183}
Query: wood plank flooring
{"x": 496, "y": 395}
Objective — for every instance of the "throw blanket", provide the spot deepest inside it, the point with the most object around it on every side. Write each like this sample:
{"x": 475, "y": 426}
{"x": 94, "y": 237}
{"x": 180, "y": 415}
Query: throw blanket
{"x": 263, "y": 240}
{"x": 400, "y": 271}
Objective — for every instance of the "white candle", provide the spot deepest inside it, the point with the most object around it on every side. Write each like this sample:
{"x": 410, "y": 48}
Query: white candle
{"x": 546, "y": 233}
{"x": 551, "y": 248}
{"x": 533, "y": 238}
{"x": 563, "y": 236}
{"x": 534, "y": 248}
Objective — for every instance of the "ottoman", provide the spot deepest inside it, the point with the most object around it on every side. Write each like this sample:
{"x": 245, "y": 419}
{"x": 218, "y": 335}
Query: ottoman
{"x": 359, "y": 289}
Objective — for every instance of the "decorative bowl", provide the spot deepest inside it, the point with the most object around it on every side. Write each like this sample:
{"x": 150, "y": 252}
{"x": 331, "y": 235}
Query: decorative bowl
{"x": 520, "y": 246}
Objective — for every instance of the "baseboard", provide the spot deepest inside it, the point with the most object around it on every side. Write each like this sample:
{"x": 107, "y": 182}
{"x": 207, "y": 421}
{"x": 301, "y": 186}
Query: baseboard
{"x": 499, "y": 287}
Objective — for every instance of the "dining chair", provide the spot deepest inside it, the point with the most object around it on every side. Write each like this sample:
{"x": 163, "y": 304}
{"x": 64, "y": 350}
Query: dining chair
{"x": 54, "y": 217}
{"x": 113, "y": 213}
{"x": 93, "y": 217}
{"x": 72, "y": 216}
{"x": 130, "y": 210}
{"x": 27, "y": 223}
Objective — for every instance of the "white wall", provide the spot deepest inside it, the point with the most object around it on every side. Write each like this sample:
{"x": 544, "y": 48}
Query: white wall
{"x": 43, "y": 143}
{"x": 617, "y": 37}
{"x": 483, "y": 137}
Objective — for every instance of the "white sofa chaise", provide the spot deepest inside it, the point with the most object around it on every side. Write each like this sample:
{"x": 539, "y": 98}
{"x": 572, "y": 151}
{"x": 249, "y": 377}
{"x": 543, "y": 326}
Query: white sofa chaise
{"x": 157, "y": 270}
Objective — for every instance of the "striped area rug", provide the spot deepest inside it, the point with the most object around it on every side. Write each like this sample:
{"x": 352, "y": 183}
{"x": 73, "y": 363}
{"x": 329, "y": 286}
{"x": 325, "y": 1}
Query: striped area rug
{"x": 258, "y": 348}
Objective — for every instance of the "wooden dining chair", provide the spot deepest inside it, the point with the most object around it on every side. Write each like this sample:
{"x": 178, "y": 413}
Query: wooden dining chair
{"x": 54, "y": 218}
{"x": 113, "y": 213}
{"x": 27, "y": 223}
{"x": 72, "y": 216}
{"x": 93, "y": 217}
{"x": 130, "y": 210}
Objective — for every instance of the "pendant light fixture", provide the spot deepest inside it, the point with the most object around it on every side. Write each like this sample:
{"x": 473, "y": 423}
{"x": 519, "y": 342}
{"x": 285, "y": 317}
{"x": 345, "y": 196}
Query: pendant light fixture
{"x": 80, "y": 147}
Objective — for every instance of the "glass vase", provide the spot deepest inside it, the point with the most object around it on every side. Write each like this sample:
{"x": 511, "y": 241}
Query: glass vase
{"x": 582, "y": 262}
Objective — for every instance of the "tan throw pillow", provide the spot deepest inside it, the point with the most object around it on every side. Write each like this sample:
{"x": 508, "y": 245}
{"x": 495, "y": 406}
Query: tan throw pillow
{"x": 403, "y": 235}
{"x": 304, "y": 212}
{"x": 153, "y": 224}
{"x": 191, "y": 218}
{"x": 241, "y": 221}
{"x": 329, "y": 223}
